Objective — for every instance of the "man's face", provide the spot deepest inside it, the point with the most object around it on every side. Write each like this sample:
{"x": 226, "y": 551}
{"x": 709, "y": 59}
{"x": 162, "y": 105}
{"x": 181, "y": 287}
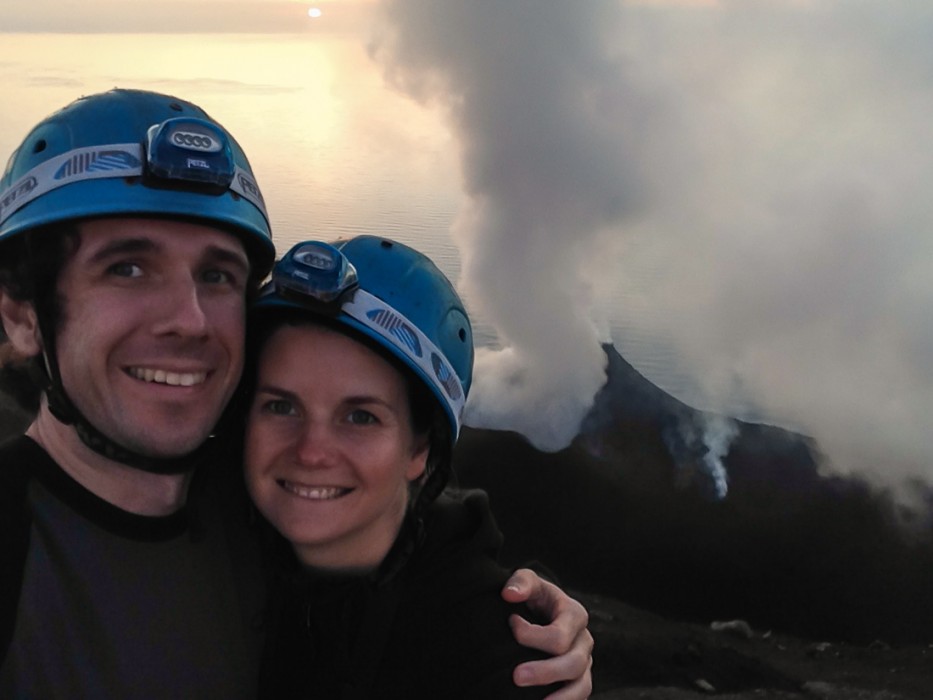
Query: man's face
{"x": 150, "y": 344}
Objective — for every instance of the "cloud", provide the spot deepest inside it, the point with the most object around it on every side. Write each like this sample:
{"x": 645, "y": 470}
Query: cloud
{"x": 771, "y": 159}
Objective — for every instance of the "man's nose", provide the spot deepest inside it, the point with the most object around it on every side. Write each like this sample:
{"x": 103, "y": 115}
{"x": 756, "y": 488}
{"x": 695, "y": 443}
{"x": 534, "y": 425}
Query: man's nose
{"x": 184, "y": 312}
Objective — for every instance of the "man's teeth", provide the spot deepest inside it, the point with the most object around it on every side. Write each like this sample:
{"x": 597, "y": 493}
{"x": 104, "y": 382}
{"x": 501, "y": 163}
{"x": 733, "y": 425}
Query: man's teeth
{"x": 315, "y": 493}
{"x": 160, "y": 376}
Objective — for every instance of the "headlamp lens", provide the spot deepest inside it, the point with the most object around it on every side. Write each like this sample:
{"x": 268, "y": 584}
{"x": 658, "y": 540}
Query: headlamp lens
{"x": 317, "y": 271}
{"x": 190, "y": 150}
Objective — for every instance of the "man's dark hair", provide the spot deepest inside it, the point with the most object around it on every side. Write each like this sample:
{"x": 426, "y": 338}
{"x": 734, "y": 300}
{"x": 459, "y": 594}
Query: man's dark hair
{"x": 29, "y": 269}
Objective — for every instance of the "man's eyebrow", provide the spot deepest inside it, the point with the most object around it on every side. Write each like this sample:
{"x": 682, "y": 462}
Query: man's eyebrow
{"x": 123, "y": 246}
{"x": 234, "y": 257}
{"x": 126, "y": 246}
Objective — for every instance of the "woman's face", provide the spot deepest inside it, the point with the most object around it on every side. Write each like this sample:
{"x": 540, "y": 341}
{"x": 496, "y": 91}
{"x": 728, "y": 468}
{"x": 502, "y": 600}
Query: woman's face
{"x": 330, "y": 449}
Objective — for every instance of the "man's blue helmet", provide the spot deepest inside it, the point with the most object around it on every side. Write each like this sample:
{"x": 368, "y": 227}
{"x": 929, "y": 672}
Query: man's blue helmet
{"x": 394, "y": 296}
{"x": 134, "y": 153}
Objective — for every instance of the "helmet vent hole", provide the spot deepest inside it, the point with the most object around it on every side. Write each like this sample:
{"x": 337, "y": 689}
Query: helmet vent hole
{"x": 462, "y": 334}
{"x": 175, "y": 106}
{"x": 39, "y": 146}
{"x": 386, "y": 244}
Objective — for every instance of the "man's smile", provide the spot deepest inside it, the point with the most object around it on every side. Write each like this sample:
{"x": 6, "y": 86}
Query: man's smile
{"x": 161, "y": 376}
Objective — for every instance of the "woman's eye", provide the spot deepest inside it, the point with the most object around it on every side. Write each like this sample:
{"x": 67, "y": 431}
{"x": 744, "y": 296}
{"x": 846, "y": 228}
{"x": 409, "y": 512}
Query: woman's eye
{"x": 126, "y": 269}
{"x": 278, "y": 407}
{"x": 361, "y": 417}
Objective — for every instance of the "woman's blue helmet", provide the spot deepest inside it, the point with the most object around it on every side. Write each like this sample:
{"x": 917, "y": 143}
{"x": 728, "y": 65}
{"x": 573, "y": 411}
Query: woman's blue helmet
{"x": 394, "y": 296}
{"x": 134, "y": 153}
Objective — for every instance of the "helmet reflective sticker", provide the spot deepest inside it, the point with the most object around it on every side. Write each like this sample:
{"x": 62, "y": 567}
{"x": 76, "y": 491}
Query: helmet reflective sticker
{"x": 365, "y": 308}
{"x": 97, "y": 161}
{"x": 445, "y": 376}
{"x": 94, "y": 162}
{"x": 394, "y": 324}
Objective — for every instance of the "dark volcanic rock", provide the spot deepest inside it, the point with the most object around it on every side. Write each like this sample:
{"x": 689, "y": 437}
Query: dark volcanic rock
{"x": 618, "y": 513}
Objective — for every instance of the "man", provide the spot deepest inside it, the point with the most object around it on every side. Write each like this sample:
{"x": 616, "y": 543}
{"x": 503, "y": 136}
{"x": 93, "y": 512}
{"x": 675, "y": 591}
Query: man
{"x": 131, "y": 235}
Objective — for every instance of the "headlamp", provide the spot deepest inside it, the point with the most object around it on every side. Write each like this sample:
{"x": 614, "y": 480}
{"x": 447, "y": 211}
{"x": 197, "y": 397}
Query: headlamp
{"x": 190, "y": 150}
{"x": 316, "y": 273}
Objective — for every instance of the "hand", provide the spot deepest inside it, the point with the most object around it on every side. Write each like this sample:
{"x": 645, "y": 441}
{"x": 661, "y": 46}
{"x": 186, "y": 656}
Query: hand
{"x": 566, "y": 637}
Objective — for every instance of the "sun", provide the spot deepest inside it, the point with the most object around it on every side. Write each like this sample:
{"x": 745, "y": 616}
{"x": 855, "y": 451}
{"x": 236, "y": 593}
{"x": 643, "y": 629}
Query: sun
{"x": 314, "y": 12}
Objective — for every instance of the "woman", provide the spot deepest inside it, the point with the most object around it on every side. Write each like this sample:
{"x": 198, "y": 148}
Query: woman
{"x": 365, "y": 360}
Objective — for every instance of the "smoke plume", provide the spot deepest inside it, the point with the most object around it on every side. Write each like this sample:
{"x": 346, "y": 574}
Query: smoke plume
{"x": 538, "y": 100}
{"x": 770, "y": 158}
{"x": 797, "y": 239}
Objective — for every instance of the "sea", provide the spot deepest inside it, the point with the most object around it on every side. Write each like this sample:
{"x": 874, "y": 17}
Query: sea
{"x": 337, "y": 149}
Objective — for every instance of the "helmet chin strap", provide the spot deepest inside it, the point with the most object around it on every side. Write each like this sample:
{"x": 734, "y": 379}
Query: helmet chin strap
{"x": 63, "y": 408}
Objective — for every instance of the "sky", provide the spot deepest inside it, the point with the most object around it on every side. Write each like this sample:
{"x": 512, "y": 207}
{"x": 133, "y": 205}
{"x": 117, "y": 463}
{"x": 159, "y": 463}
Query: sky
{"x": 188, "y": 16}
{"x": 765, "y": 159}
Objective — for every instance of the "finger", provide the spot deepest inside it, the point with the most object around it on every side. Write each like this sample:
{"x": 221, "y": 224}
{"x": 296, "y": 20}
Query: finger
{"x": 573, "y": 666}
{"x": 552, "y": 602}
{"x": 520, "y": 586}
{"x": 554, "y": 639}
{"x": 568, "y": 620}
{"x": 580, "y": 689}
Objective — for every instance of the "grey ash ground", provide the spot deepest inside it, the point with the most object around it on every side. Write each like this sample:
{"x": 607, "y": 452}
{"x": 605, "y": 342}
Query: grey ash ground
{"x": 641, "y": 655}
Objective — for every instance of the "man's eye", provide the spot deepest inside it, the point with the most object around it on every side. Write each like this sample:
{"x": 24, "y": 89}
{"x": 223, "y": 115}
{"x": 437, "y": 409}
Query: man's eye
{"x": 219, "y": 277}
{"x": 125, "y": 269}
{"x": 361, "y": 417}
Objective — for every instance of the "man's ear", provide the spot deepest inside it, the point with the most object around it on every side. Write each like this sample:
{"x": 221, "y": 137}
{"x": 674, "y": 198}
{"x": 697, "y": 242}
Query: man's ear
{"x": 21, "y": 325}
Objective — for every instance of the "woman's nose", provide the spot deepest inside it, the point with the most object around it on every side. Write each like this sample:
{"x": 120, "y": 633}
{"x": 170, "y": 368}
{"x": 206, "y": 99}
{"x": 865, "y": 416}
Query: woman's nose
{"x": 315, "y": 448}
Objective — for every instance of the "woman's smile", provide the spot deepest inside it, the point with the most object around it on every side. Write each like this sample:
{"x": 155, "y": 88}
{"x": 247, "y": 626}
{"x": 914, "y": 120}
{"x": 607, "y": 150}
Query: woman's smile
{"x": 314, "y": 493}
